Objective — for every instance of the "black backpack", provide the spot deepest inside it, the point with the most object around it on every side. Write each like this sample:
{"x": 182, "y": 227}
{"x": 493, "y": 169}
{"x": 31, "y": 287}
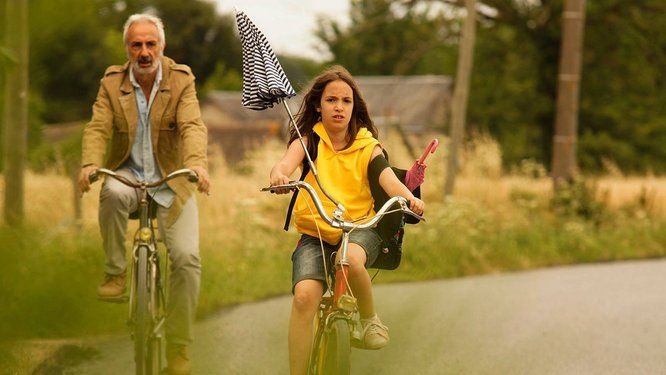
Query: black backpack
{"x": 390, "y": 227}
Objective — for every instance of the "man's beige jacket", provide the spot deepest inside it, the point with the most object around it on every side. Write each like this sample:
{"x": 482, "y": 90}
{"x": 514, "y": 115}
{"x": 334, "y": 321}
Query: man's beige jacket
{"x": 178, "y": 134}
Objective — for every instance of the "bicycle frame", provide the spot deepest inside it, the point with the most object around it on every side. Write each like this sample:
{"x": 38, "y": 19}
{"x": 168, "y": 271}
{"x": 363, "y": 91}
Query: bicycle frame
{"x": 145, "y": 247}
{"x": 341, "y": 304}
{"x": 143, "y": 238}
{"x": 147, "y": 299}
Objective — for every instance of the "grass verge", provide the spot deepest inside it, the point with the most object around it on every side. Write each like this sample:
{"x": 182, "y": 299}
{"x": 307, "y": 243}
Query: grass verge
{"x": 50, "y": 279}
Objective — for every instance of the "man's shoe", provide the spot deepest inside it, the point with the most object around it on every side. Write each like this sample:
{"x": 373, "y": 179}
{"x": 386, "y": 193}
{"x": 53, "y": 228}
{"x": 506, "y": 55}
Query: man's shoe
{"x": 178, "y": 361}
{"x": 375, "y": 334}
{"x": 113, "y": 287}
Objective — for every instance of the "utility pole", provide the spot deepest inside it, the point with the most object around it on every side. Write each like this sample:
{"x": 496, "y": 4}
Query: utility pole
{"x": 564, "y": 166}
{"x": 15, "y": 119}
{"x": 461, "y": 94}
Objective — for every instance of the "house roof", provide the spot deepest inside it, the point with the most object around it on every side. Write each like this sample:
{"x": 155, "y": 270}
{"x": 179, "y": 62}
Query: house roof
{"x": 224, "y": 107}
{"x": 415, "y": 102}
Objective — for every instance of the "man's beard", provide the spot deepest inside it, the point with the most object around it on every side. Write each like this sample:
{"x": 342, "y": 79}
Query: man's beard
{"x": 149, "y": 70}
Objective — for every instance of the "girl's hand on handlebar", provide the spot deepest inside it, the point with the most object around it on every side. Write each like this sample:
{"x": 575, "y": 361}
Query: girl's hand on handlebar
{"x": 279, "y": 179}
{"x": 416, "y": 205}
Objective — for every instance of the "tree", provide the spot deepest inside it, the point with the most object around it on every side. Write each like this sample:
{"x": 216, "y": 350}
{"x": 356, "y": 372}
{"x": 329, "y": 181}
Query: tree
{"x": 622, "y": 112}
{"x": 523, "y": 41}
{"x": 199, "y": 37}
{"x": 566, "y": 120}
{"x": 70, "y": 52}
{"x": 300, "y": 70}
{"x": 514, "y": 86}
{"x": 390, "y": 37}
{"x": 72, "y": 49}
{"x": 15, "y": 108}
{"x": 461, "y": 93}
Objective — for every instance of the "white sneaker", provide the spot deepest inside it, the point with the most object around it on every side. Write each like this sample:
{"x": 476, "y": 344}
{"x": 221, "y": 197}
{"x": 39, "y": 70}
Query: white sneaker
{"x": 375, "y": 334}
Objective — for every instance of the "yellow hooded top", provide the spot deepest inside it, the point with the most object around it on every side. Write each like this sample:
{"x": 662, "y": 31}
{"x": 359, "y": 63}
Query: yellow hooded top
{"x": 344, "y": 174}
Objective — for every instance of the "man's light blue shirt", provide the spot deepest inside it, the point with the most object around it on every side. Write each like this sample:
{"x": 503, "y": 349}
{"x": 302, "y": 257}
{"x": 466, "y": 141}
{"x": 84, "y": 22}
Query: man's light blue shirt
{"x": 142, "y": 160}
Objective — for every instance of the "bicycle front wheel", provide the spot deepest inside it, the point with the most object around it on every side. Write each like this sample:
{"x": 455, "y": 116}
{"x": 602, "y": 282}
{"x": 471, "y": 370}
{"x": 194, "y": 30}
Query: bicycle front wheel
{"x": 142, "y": 319}
{"x": 333, "y": 349}
{"x": 155, "y": 340}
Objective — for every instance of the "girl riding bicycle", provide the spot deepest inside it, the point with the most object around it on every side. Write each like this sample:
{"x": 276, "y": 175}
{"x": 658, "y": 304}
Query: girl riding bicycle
{"x": 334, "y": 109}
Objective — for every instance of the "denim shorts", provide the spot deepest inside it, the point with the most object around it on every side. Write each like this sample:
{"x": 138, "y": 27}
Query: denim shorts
{"x": 307, "y": 260}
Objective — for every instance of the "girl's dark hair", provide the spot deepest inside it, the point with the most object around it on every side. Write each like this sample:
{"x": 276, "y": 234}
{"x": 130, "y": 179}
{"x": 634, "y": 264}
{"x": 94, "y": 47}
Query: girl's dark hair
{"x": 307, "y": 115}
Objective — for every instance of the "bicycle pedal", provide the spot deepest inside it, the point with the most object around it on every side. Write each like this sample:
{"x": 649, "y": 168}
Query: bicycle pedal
{"x": 121, "y": 299}
{"x": 356, "y": 342}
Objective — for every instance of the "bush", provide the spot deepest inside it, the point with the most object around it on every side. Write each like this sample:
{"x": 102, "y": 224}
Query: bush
{"x": 579, "y": 199}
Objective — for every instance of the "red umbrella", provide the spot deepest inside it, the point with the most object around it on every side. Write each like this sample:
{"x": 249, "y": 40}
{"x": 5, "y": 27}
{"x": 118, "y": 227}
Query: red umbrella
{"x": 416, "y": 174}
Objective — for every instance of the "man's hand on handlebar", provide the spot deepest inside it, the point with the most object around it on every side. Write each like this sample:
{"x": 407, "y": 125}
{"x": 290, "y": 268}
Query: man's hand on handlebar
{"x": 204, "y": 180}
{"x": 416, "y": 205}
{"x": 84, "y": 182}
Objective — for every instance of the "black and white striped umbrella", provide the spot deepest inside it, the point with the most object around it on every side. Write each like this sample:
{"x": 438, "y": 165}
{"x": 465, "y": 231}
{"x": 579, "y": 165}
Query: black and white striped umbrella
{"x": 264, "y": 81}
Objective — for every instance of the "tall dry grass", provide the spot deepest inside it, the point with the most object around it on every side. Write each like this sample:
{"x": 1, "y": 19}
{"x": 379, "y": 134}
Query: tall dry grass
{"x": 49, "y": 196}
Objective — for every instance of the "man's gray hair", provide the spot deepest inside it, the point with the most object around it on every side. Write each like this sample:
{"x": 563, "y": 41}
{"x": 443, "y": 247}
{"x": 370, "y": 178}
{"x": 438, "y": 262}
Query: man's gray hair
{"x": 143, "y": 17}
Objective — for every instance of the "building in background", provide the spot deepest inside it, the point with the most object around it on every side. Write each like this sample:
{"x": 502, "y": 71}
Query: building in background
{"x": 410, "y": 104}
{"x": 236, "y": 129}
{"x": 416, "y": 103}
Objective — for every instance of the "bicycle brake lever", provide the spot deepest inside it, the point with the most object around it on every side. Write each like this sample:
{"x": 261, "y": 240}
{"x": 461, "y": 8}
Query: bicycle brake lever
{"x": 273, "y": 188}
{"x": 404, "y": 207}
{"x": 415, "y": 215}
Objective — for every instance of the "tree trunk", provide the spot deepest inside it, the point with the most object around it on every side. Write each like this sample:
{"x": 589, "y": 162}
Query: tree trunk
{"x": 461, "y": 94}
{"x": 564, "y": 166}
{"x": 78, "y": 210}
{"x": 16, "y": 109}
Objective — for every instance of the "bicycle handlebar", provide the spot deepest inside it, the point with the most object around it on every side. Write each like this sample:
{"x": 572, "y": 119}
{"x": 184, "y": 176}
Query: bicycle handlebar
{"x": 191, "y": 176}
{"x": 339, "y": 222}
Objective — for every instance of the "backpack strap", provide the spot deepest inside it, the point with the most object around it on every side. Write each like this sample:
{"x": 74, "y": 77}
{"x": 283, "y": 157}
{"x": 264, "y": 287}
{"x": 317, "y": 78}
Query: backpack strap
{"x": 312, "y": 146}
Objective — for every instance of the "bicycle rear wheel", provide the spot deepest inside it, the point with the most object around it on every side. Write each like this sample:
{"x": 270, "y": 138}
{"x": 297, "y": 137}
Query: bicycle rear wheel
{"x": 332, "y": 349}
{"x": 142, "y": 319}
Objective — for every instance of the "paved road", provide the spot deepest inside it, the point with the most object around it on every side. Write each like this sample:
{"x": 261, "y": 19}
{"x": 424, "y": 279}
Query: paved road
{"x": 594, "y": 319}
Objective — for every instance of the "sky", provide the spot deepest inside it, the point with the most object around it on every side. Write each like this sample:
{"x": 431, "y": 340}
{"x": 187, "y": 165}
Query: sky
{"x": 289, "y": 25}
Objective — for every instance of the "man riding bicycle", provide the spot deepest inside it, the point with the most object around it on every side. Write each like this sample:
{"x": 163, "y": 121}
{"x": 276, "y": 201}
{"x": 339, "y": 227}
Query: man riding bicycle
{"x": 148, "y": 110}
